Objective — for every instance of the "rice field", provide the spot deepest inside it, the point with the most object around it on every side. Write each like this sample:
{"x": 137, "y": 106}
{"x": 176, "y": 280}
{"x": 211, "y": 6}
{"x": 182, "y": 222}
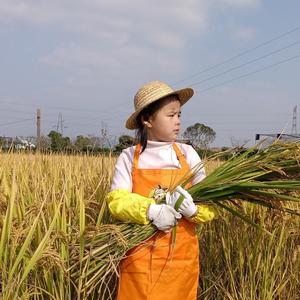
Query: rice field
{"x": 49, "y": 202}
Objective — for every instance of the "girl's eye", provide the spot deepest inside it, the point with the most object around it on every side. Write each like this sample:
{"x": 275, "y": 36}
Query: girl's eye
{"x": 172, "y": 115}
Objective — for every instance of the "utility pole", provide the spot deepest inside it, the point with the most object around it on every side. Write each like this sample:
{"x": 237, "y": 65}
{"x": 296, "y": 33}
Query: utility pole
{"x": 294, "y": 124}
{"x": 38, "y": 129}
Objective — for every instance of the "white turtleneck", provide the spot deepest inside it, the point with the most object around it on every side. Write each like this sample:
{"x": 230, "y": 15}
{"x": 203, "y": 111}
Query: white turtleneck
{"x": 157, "y": 155}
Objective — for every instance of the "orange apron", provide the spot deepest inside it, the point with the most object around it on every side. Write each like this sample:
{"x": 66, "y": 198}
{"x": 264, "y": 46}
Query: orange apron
{"x": 155, "y": 270}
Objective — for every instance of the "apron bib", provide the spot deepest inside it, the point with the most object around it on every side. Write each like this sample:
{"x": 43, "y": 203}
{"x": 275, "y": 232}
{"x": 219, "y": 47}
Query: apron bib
{"x": 156, "y": 270}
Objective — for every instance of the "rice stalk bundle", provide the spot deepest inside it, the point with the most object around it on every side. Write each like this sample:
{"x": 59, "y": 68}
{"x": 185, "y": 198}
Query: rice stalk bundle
{"x": 267, "y": 177}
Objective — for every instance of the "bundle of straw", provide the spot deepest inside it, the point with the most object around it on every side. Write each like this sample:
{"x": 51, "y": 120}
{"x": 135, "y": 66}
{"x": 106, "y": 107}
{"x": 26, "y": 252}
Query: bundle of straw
{"x": 266, "y": 177}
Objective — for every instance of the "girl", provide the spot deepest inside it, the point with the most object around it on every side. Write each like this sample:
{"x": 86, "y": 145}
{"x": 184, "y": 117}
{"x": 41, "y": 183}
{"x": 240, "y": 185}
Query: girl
{"x": 156, "y": 269}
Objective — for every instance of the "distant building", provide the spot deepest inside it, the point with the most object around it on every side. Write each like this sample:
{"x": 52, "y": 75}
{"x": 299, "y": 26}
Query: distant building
{"x": 22, "y": 143}
{"x": 17, "y": 143}
{"x": 6, "y": 142}
{"x": 279, "y": 136}
{"x": 267, "y": 139}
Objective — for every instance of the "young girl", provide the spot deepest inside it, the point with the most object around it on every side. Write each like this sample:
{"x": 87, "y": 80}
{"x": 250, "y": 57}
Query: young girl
{"x": 156, "y": 269}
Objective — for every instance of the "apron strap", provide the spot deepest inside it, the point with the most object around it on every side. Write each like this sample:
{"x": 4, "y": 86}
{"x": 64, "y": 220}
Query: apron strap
{"x": 136, "y": 156}
{"x": 181, "y": 157}
{"x": 183, "y": 163}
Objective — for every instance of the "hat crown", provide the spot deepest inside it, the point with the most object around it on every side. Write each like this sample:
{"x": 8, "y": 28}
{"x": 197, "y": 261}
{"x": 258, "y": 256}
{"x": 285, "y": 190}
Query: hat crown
{"x": 150, "y": 92}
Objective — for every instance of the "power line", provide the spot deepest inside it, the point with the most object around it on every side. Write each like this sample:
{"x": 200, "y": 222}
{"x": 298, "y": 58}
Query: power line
{"x": 49, "y": 107}
{"x": 203, "y": 113}
{"x": 196, "y": 83}
{"x": 246, "y": 63}
{"x": 243, "y": 129}
{"x": 112, "y": 114}
{"x": 64, "y": 108}
{"x": 16, "y": 111}
{"x": 250, "y": 73}
{"x": 239, "y": 55}
{"x": 222, "y": 83}
{"x": 65, "y": 116}
{"x": 15, "y": 122}
{"x": 116, "y": 112}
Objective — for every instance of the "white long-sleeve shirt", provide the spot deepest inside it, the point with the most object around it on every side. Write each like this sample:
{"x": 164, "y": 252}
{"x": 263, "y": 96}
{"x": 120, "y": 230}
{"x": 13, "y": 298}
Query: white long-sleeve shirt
{"x": 157, "y": 155}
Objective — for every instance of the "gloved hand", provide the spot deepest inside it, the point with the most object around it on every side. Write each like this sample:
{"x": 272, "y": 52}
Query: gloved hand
{"x": 163, "y": 216}
{"x": 187, "y": 207}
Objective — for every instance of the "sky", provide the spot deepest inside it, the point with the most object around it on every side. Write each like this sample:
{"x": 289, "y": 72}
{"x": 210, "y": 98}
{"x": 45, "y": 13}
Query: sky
{"x": 86, "y": 59}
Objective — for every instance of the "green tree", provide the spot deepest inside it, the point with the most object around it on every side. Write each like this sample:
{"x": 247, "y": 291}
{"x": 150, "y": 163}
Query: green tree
{"x": 82, "y": 143}
{"x": 199, "y": 135}
{"x": 125, "y": 141}
{"x": 58, "y": 142}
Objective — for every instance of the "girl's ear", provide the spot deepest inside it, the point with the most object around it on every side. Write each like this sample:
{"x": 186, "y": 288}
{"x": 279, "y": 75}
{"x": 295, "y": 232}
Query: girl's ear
{"x": 146, "y": 123}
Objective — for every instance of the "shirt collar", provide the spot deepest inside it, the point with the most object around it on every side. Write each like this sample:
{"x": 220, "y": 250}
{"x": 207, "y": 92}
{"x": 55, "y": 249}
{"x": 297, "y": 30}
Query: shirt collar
{"x": 156, "y": 144}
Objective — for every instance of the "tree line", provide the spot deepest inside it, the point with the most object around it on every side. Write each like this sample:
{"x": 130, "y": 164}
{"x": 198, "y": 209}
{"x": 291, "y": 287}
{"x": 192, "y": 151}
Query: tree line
{"x": 198, "y": 135}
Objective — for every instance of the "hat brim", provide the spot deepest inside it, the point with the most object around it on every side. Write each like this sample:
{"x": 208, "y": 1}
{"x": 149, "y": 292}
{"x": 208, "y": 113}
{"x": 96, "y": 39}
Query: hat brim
{"x": 184, "y": 95}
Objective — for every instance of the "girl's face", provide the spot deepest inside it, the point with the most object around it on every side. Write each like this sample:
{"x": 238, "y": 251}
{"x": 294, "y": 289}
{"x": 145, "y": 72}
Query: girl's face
{"x": 164, "y": 125}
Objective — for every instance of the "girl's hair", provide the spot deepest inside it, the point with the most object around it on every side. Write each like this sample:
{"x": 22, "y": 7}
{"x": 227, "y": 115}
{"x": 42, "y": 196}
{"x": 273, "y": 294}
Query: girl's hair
{"x": 145, "y": 114}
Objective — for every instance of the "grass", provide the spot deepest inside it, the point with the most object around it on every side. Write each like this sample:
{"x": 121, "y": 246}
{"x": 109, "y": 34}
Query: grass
{"x": 46, "y": 203}
{"x": 50, "y": 203}
{"x": 251, "y": 264}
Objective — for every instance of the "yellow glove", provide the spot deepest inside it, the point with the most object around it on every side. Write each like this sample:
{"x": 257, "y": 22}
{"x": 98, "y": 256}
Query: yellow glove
{"x": 128, "y": 207}
{"x": 204, "y": 213}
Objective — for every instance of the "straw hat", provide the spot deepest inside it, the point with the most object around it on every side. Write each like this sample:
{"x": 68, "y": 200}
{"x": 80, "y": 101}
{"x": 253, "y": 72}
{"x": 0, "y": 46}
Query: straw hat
{"x": 151, "y": 92}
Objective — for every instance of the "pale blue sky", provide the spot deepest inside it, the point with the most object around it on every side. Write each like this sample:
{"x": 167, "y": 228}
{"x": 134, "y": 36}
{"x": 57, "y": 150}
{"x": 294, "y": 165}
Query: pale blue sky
{"x": 86, "y": 59}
